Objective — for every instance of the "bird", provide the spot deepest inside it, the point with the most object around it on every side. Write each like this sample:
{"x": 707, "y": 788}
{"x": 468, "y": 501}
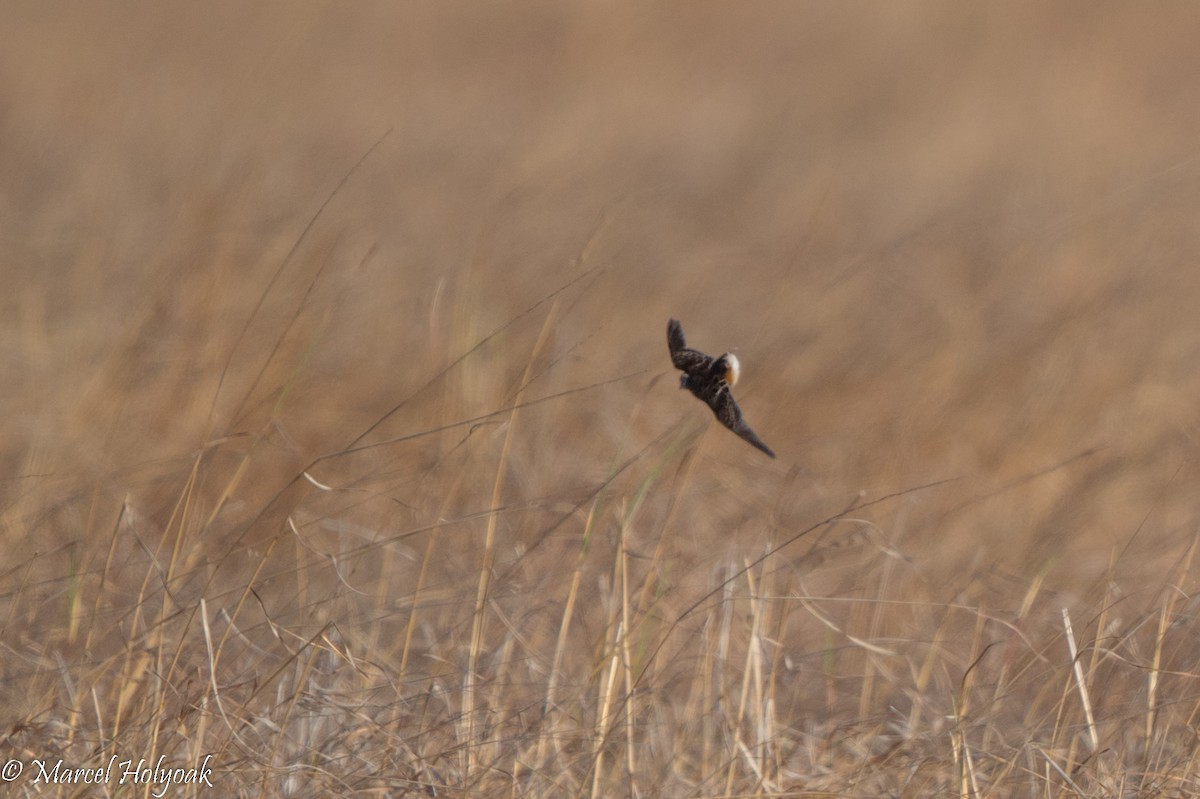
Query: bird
{"x": 710, "y": 380}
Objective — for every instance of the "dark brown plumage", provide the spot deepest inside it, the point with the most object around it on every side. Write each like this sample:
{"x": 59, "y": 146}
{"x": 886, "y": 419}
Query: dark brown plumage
{"x": 710, "y": 379}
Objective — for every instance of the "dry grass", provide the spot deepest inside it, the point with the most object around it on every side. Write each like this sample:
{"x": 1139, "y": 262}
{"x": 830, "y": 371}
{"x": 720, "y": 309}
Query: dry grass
{"x": 374, "y": 480}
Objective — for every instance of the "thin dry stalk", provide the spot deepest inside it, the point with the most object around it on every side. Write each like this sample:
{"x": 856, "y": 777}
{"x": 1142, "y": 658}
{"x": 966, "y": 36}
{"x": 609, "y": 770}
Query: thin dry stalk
{"x": 104, "y": 573}
{"x": 629, "y": 705}
{"x": 550, "y": 716}
{"x": 735, "y": 724}
{"x": 607, "y": 698}
{"x": 751, "y": 681}
{"x": 926, "y": 671}
{"x": 410, "y": 626}
{"x": 489, "y": 547}
{"x": 1165, "y": 615}
{"x": 1094, "y": 738}
{"x": 869, "y": 665}
{"x": 969, "y": 769}
{"x": 650, "y": 584}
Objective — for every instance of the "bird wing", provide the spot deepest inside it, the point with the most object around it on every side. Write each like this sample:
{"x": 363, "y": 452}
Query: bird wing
{"x": 685, "y": 359}
{"x": 730, "y": 415}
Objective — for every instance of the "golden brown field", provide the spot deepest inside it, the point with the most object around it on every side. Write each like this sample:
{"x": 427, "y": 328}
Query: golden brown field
{"x": 341, "y": 443}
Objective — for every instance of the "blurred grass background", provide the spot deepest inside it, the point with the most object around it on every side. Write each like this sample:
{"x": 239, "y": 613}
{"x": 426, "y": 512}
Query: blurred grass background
{"x": 954, "y": 247}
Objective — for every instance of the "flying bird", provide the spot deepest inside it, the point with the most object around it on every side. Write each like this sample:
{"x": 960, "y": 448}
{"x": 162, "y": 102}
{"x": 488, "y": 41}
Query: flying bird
{"x": 710, "y": 380}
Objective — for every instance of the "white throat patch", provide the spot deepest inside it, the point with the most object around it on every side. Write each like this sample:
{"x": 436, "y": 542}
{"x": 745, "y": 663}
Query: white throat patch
{"x": 734, "y": 369}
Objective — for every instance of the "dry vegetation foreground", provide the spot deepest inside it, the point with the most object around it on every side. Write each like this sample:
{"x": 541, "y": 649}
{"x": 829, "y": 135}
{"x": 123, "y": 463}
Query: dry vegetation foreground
{"x": 340, "y": 443}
